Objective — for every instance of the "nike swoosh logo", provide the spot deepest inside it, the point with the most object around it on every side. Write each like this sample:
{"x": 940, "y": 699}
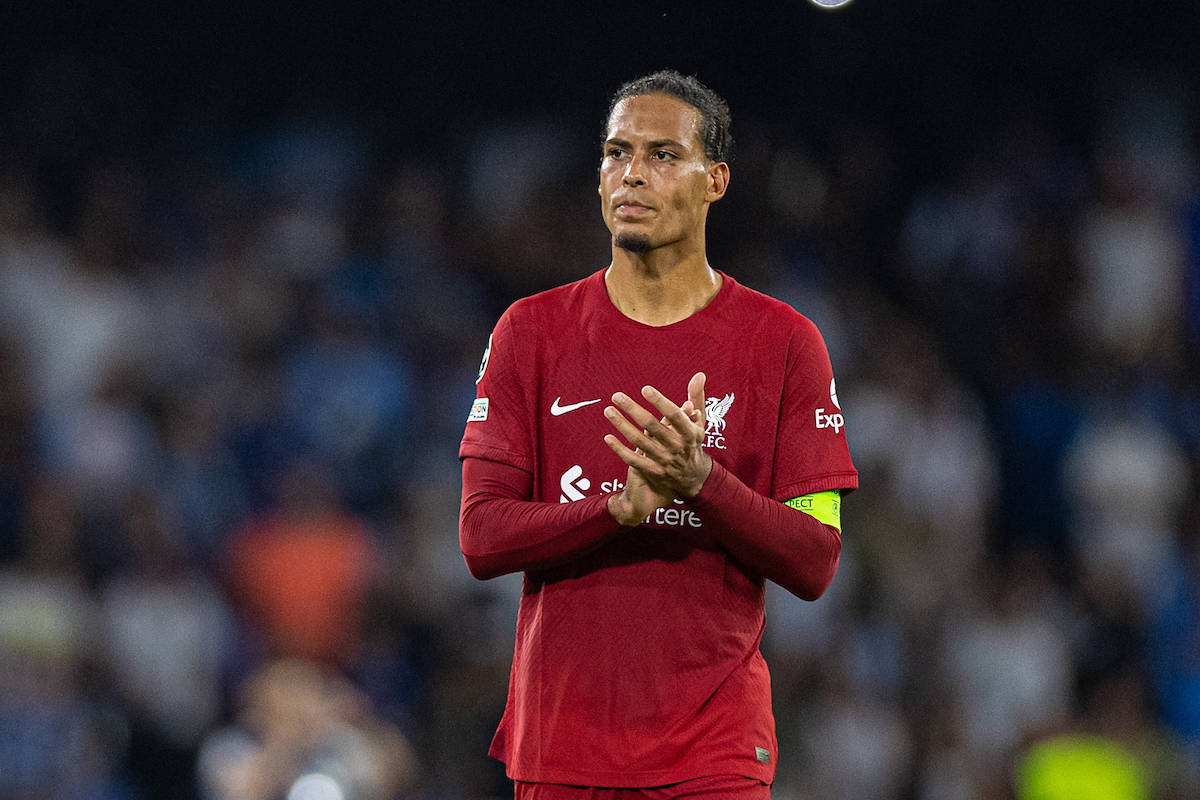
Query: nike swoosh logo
{"x": 558, "y": 410}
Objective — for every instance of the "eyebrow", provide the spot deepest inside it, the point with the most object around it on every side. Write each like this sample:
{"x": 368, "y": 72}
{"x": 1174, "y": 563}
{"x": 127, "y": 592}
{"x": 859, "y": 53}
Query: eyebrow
{"x": 666, "y": 143}
{"x": 652, "y": 145}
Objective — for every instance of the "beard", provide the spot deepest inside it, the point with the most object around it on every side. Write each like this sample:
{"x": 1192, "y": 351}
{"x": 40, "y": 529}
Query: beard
{"x": 633, "y": 242}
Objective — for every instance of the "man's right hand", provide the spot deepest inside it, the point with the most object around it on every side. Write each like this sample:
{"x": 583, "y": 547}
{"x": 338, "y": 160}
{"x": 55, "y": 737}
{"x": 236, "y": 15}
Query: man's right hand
{"x": 636, "y": 501}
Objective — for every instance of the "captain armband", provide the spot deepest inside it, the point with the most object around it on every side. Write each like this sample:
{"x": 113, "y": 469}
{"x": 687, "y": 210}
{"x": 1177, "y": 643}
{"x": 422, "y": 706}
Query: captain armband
{"x": 825, "y": 507}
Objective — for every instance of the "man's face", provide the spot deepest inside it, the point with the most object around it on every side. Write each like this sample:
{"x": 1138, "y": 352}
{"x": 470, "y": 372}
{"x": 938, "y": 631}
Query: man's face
{"x": 655, "y": 183}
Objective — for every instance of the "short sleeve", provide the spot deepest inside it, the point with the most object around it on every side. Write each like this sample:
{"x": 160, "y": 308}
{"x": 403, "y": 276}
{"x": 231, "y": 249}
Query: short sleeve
{"x": 497, "y": 427}
{"x": 811, "y": 452}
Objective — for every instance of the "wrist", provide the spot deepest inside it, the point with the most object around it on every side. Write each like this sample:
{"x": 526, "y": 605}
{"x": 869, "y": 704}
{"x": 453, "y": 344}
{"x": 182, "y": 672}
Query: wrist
{"x": 714, "y": 484}
{"x": 698, "y": 486}
{"x": 622, "y": 510}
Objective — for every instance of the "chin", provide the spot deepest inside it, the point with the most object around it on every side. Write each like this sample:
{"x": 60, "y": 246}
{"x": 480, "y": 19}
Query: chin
{"x": 633, "y": 242}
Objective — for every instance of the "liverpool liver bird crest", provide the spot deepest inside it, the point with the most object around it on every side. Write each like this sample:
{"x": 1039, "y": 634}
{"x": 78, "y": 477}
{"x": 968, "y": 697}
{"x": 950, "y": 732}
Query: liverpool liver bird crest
{"x": 714, "y": 413}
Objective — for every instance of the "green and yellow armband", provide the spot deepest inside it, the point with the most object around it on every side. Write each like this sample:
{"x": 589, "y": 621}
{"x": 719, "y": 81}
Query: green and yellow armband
{"x": 824, "y": 507}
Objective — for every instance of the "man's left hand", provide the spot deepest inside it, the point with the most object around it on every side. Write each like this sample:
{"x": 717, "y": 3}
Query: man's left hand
{"x": 667, "y": 449}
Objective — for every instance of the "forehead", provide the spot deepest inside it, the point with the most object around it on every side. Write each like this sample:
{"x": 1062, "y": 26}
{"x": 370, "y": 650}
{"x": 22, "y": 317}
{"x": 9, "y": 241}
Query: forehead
{"x": 655, "y": 117}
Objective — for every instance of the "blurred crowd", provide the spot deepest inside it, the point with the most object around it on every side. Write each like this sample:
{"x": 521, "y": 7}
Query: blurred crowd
{"x": 234, "y": 370}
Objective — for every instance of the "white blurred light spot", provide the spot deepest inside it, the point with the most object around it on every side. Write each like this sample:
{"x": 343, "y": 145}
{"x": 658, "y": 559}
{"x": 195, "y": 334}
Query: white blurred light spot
{"x": 830, "y": 3}
{"x": 315, "y": 786}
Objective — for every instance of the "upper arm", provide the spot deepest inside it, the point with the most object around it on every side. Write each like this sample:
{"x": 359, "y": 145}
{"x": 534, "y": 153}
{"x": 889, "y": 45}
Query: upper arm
{"x": 498, "y": 427}
{"x": 811, "y": 454}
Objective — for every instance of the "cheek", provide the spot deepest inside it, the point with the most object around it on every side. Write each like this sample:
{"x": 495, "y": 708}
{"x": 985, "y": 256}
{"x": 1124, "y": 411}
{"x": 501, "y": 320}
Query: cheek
{"x": 609, "y": 180}
{"x": 688, "y": 198}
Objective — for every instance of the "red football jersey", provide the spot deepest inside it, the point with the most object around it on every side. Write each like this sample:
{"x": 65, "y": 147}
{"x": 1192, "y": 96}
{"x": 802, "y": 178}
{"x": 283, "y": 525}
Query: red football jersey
{"x": 638, "y": 664}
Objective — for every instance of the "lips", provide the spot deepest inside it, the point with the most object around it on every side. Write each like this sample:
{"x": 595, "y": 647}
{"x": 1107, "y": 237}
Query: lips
{"x": 632, "y": 208}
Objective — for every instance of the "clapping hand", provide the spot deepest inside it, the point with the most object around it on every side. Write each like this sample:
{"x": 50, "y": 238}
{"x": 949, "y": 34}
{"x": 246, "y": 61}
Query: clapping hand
{"x": 667, "y": 459}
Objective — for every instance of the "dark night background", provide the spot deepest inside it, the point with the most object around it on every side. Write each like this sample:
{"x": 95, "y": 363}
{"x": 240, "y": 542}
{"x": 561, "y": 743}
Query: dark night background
{"x": 250, "y": 254}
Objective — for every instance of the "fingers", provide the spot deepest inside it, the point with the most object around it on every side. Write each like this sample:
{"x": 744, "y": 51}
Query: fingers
{"x": 696, "y": 396}
{"x": 636, "y": 436}
{"x": 632, "y": 458}
{"x": 633, "y": 410}
{"x": 641, "y": 428}
{"x": 665, "y": 452}
{"x": 653, "y": 444}
{"x": 674, "y": 418}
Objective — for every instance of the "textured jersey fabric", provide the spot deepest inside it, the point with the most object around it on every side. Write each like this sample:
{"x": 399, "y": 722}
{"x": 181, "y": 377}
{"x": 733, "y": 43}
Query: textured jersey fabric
{"x": 637, "y": 663}
{"x": 726, "y": 787}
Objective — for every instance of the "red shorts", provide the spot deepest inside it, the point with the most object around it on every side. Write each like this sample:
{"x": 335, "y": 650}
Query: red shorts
{"x": 718, "y": 787}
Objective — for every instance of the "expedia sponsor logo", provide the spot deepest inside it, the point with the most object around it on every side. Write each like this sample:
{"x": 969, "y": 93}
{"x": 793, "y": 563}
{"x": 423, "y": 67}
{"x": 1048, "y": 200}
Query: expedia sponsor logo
{"x": 834, "y": 420}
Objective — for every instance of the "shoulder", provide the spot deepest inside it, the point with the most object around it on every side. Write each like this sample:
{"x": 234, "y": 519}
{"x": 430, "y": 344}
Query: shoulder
{"x": 768, "y": 313}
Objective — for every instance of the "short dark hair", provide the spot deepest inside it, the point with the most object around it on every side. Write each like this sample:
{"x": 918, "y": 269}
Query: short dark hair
{"x": 714, "y": 111}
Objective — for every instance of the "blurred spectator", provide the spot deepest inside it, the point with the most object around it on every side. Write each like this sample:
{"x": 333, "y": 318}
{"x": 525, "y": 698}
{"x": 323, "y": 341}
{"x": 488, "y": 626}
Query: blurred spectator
{"x": 56, "y": 738}
{"x": 300, "y": 572}
{"x": 1131, "y": 243}
{"x": 1112, "y": 751}
{"x": 922, "y": 434}
{"x": 947, "y": 769}
{"x": 88, "y": 280}
{"x": 349, "y": 399}
{"x": 166, "y": 632}
{"x": 1128, "y": 480}
{"x": 104, "y": 443}
{"x": 856, "y": 745}
{"x": 1174, "y": 649}
{"x": 304, "y": 732}
{"x": 203, "y": 489}
{"x": 1007, "y": 663}
{"x": 16, "y": 448}
{"x": 1080, "y": 767}
{"x": 1132, "y": 261}
{"x": 1192, "y": 232}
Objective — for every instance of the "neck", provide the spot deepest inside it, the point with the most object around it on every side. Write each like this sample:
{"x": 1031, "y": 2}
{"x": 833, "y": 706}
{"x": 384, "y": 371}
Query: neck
{"x": 654, "y": 290}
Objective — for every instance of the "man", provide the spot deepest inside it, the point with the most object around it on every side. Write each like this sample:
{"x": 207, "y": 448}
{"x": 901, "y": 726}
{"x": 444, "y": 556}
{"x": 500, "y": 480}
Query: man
{"x": 645, "y": 528}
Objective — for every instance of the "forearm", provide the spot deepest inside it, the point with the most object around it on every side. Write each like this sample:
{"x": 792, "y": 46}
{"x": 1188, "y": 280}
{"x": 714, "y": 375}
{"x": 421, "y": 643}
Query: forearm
{"x": 782, "y": 544}
{"x": 501, "y": 531}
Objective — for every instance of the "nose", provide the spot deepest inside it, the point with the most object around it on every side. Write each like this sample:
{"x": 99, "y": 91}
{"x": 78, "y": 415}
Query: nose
{"x": 634, "y": 172}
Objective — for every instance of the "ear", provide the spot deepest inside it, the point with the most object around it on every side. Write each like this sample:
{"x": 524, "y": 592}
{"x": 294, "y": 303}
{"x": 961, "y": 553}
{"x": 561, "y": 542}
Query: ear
{"x": 718, "y": 181}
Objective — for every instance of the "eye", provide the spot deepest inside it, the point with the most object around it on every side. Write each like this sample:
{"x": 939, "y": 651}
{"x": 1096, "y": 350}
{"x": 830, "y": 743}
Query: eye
{"x": 663, "y": 155}
{"x": 615, "y": 152}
